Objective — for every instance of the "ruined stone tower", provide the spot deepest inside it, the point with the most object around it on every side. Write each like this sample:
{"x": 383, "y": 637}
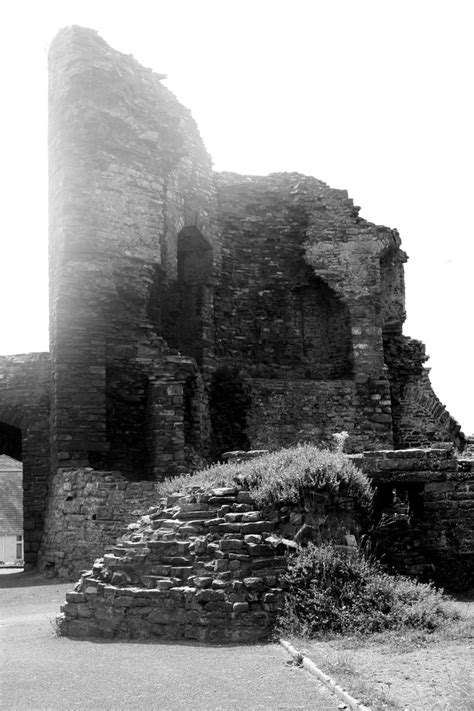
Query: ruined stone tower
{"x": 193, "y": 312}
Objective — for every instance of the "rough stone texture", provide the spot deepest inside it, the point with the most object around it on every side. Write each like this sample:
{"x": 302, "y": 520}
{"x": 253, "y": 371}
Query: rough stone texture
{"x": 192, "y": 312}
{"x": 203, "y": 565}
{"x": 131, "y": 190}
{"x": 92, "y": 509}
{"x": 419, "y": 418}
{"x": 424, "y": 505}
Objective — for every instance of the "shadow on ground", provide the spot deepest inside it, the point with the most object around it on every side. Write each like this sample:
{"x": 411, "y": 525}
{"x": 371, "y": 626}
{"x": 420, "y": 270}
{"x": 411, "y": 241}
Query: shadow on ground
{"x": 14, "y": 578}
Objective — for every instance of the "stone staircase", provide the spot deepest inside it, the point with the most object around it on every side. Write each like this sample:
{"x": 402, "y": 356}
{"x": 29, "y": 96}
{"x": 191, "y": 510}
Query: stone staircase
{"x": 202, "y": 565}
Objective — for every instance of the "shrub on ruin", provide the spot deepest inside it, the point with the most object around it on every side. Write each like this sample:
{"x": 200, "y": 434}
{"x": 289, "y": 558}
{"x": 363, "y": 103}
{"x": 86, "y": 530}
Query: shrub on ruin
{"x": 284, "y": 476}
{"x": 329, "y": 591}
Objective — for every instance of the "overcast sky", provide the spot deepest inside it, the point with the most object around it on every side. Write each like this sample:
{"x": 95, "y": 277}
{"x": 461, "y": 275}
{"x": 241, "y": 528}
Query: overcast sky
{"x": 372, "y": 96}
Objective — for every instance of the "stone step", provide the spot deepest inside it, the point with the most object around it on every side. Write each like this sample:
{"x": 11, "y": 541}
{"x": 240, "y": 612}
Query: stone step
{"x": 168, "y": 523}
{"x": 170, "y": 547}
{"x": 161, "y": 571}
{"x": 201, "y": 506}
{"x": 177, "y": 560}
{"x": 195, "y": 515}
{"x": 162, "y": 582}
{"x": 217, "y": 501}
{"x": 199, "y": 524}
{"x": 182, "y": 572}
{"x": 188, "y": 530}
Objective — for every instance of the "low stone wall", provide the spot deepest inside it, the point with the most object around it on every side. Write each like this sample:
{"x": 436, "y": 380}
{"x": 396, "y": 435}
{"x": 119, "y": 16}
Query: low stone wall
{"x": 424, "y": 504}
{"x": 204, "y": 565}
{"x": 88, "y": 510}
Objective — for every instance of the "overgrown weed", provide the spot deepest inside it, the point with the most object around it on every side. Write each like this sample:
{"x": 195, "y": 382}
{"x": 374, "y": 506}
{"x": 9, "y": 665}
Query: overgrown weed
{"x": 283, "y": 476}
{"x": 329, "y": 592}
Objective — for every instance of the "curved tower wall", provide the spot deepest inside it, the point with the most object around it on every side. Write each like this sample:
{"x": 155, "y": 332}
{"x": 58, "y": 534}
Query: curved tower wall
{"x": 128, "y": 171}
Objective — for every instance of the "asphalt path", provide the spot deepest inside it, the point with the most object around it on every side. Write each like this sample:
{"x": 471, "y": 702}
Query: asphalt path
{"x": 42, "y": 672}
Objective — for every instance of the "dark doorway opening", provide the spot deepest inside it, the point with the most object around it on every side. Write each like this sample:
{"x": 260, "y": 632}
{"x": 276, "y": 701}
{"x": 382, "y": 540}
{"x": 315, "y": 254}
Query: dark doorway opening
{"x": 186, "y": 310}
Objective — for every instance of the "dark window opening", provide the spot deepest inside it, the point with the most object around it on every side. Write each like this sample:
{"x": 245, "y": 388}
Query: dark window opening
{"x": 185, "y": 304}
{"x": 399, "y": 501}
{"x": 10, "y": 441}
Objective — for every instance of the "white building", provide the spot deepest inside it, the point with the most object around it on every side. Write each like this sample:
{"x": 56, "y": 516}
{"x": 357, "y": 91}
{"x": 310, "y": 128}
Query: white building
{"x": 11, "y": 511}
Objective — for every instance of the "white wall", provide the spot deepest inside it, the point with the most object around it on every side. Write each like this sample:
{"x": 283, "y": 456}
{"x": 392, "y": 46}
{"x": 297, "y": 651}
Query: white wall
{"x": 8, "y": 549}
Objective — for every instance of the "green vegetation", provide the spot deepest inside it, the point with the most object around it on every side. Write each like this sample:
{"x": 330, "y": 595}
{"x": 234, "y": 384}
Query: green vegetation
{"x": 331, "y": 592}
{"x": 283, "y": 476}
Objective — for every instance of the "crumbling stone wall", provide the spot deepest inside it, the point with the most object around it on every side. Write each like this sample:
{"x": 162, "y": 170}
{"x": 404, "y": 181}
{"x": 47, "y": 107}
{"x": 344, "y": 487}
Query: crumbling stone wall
{"x": 193, "y": 312}
{"x": 424, "y": 513}
{"x": 419, "y": 418}
{"x": 92, "y": 509}
{"x": 299, "y": 299}
{"x": 24, "y": 435}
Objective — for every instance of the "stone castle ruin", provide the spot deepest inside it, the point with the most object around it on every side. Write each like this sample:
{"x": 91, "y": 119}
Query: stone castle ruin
{"x": 192, "y": 313}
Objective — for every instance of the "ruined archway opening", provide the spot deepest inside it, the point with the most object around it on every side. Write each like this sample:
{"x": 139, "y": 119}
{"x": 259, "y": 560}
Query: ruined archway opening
{"x": 12, "y": 545}
{"x": 321, "y": 343}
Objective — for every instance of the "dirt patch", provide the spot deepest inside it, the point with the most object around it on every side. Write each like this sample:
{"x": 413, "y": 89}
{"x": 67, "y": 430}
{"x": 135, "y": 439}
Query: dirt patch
{"x": 413, "y": 672}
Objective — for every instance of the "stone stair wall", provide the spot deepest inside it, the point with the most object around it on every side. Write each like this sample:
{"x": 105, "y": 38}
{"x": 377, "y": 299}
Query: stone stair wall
{"x": 203, "y": 565}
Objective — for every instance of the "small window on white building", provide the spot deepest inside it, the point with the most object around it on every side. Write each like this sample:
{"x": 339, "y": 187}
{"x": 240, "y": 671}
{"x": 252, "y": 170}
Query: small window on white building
{"x": 19, "y": 547}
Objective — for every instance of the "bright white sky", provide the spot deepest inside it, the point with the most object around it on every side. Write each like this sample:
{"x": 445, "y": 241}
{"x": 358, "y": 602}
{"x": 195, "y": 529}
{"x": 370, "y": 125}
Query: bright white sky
{"x": 374, "y": 96}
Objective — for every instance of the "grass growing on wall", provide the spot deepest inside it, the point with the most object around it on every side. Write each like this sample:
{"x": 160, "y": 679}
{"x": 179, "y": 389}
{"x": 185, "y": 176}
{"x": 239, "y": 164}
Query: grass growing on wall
{"x": 283, "y": 476}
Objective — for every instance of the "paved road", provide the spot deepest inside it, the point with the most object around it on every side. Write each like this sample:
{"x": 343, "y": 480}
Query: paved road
{"x": 41, "y": 672}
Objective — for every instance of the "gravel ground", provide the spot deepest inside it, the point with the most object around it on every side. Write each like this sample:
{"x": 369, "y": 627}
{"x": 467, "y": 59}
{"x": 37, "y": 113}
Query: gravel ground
{"x": 41, "y": 672}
